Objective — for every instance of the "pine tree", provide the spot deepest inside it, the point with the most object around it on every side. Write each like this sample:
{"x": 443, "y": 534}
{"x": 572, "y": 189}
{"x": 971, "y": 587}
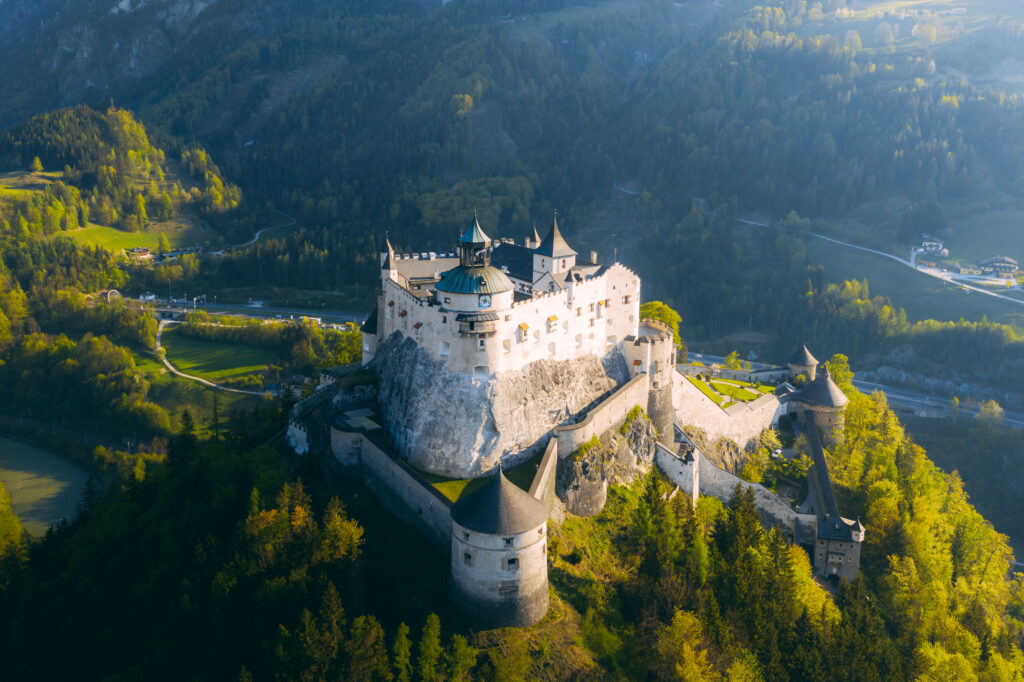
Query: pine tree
{"x": 36, "y": 166}
{"x": 401, "y": 655}
{"x": 428, "y": 654}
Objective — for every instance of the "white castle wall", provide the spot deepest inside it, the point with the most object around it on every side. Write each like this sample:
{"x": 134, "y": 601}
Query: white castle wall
{"x": 401, "y": 489}
{"x": 721, "y": 484}
{"x": 592, "y": 317}
{"x": 739, "y": 423}
{"x": 610, "y": 414}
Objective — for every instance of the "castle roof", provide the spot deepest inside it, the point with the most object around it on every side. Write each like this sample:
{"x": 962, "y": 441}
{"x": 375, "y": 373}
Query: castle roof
{"x": 499, "y": 507}
{"x": 554, "y": 245}
{"x": 370, "y": 326}
{"x": 484, "y": 279}
{"x": 823, "y": 392}
{"x": 803, "y": 358}
{"x": 389, "y": 259}
{"x": 518, "y": 260}
{"x": 475, "y": 234}
{"x": 536, "y": 237}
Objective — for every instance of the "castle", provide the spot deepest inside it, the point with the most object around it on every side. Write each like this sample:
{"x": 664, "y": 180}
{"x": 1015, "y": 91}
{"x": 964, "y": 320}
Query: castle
{"x": 497, "y": 306}
{"x": 503, "y": 352}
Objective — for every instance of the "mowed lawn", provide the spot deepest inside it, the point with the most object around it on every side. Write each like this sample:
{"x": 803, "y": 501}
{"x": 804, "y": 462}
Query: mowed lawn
{"x": 454, "y": 488}
{"x": 923, "y": 297}
{"x": 216, "y": 362}
{"x": 179, "y": 233}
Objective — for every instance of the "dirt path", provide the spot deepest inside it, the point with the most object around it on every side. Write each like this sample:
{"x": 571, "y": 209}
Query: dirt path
{"x": 174, "y": 370}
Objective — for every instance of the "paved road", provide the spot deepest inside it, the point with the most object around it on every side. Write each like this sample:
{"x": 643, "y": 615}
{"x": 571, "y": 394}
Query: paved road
{"x": 256, "y": 237}
{"x": 273, "y": 312}
{"x": 174, "y": 370}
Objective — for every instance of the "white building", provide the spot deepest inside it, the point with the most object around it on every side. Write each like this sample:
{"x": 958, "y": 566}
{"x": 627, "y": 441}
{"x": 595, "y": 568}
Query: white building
{"x": 498, "y": 306}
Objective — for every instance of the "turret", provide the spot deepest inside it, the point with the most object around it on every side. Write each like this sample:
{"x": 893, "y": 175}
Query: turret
{"x": 553, "y": 254}
{"x": 499, "y": 567}
{"x": 475, "y": 286}
{"x": 389, "y": 266}
{"x": 827, "y": 403}
{"x": 802, "y": 362}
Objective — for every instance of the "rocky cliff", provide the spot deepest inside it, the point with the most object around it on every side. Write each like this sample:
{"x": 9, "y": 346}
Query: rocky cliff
{"x": 454, "y": 425}
{"x": 583, "y": 477}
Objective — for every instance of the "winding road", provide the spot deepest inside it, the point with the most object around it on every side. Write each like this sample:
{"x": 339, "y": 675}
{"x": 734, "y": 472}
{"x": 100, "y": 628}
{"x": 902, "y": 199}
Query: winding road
{"x": 259, "y": 233}
{"x": 174, "y": 370}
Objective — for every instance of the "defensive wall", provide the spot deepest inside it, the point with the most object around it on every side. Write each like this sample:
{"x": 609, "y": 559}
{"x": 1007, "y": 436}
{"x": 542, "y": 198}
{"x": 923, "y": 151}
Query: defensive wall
{"x": 609, "y": 414}
{"x": 543, "y": 486}
{"x": 718, "y": 483}
{"x": 399, "y": 488}
{"x": 769, "y": 375}
{"x": 739, "y": 423}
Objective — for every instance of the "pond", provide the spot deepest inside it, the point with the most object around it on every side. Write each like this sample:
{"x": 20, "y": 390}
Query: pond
{"x": 45, "y": 487}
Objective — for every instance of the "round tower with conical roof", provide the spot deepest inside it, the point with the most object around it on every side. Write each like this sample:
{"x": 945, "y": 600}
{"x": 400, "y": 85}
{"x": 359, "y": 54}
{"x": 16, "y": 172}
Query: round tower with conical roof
{"x": 499, "y": 564}
{"x": 826, "y": 403}
{"x": 802, "y": 362}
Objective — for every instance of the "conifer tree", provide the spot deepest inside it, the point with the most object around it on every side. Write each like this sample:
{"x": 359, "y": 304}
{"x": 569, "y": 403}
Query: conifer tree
{"x": 428, "y": 654}
{"x": 401, "y": 654}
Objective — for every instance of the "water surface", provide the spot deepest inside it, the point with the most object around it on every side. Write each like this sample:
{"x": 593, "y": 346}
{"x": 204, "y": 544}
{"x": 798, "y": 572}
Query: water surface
{"x": 45, "y": 487}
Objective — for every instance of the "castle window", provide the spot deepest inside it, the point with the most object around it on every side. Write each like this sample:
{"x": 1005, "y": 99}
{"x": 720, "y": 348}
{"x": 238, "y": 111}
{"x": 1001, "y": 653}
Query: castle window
{"x": 590, "y": 308}
{"x": 507, "y": 345}
{"x": 579, "y": 311}
{"x": 540, "y": 532}
{"x": 509, "y": 541}
{"x": 591, "y": 322}
{"x": 444, "y": 319}
{"x": 446, "y": 349}
{"x": 512, "y": 564}
{"x": 508, "y": 317}
{"x": 563, "y": 263}
{"x": 625, "y": 299}
{"x": 481, "y": 343}
{"x": 465, "y": 535}
{"x": 447, "y": 299}
{"x": 467, "y": 559}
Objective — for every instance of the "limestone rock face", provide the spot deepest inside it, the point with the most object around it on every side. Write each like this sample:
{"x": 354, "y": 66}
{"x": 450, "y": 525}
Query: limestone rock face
{"x": 454, "y": 425}
{"x": 582, "y": 481}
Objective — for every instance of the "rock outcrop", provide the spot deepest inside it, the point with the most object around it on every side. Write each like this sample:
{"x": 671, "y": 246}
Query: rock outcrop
{"x": 455, "y": 425}
{"x": 583, "y": 477}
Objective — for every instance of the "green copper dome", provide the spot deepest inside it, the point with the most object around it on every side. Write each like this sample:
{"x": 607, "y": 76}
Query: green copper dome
{"x": 485, "y": 279}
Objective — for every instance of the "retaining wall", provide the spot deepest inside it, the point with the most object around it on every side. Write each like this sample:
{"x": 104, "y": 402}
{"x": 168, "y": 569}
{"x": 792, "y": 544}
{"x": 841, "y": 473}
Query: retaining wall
{"x": 610, "y": 414}
{"x": 739, "y": 423}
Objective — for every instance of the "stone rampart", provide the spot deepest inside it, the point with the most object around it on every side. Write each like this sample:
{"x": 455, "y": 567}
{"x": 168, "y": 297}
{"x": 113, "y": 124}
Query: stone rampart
{"x": 610, "y": 414}
{"x": 718, "y": 483}
{"x": 403, "y": 491}
{"x": 739, "y": 423}
{"x": 543, "y": 486}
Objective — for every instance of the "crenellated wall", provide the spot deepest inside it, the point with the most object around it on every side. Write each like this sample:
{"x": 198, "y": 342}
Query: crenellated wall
{"x": 587, "y": 318}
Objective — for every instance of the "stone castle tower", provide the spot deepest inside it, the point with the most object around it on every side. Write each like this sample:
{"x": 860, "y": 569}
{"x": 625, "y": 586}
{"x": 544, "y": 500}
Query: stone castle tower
{"x": 822, "y": 400}
{"x": 499, "y": 563}
{"x": 652, "y": 351}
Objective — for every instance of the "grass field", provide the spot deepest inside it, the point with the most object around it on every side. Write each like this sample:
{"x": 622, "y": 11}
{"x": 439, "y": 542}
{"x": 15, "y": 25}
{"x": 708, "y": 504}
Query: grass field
{"x": 217, "y": 362}
{"x": 706, "y": 390}
{"x": 454, "y": 488}
{"x": 44, "y": 487}
{"x": 987, "y": 234}
{"x": 735, "y": 392}
{"x": 923, "y": 297}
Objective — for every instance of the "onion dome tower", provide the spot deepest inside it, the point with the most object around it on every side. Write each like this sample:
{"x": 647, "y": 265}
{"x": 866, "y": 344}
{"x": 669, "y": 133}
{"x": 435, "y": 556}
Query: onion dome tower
{"x": 474, "y": 284}
{"x": 499, "y": 567}
{"x": 802, "y": 362}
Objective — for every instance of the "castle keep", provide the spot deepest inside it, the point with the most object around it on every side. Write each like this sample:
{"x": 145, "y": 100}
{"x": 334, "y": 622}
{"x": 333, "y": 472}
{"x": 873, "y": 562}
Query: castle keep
{"x": 497, "y": 306}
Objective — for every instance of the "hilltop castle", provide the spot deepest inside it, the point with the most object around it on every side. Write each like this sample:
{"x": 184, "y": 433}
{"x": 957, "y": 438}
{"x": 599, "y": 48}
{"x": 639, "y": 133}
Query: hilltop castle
{"x": 497, "y": 306}
{"x": 503, "y": 352}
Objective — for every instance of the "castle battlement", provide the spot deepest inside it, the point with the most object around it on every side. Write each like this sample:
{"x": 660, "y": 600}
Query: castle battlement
{"x": 500, "y": 306}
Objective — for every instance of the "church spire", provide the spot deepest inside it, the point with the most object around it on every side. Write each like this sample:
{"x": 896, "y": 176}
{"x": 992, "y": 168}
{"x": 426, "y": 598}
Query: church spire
{"x": 536, "y": 237}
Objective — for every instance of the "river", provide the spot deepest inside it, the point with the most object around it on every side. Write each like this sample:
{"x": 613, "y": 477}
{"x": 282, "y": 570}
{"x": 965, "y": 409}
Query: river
{"x": 45, "y": 487}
